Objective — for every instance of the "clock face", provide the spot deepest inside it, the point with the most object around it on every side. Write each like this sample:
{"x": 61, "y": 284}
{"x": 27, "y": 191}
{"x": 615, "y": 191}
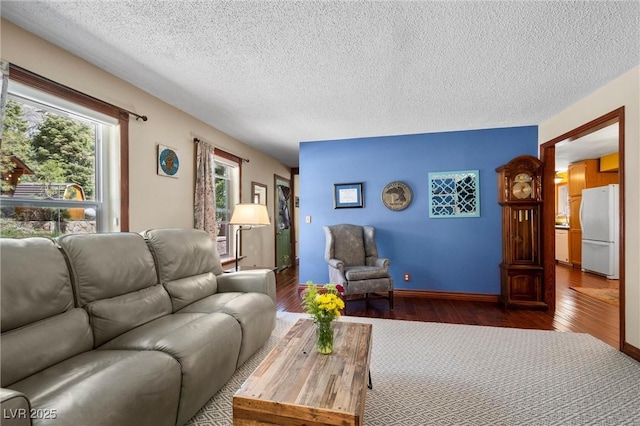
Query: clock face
{"x": 521, "y": 188}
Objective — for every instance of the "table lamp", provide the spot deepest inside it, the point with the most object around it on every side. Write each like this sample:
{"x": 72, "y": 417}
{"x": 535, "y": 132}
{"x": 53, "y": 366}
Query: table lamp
{"x": 248, "y": 216}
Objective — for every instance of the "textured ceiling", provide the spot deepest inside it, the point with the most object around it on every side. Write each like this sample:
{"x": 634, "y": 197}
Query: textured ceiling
{"x": 273, "y": 74}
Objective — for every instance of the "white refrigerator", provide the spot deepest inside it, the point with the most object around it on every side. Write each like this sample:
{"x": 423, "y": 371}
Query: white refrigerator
{"x": 600, "y": 230}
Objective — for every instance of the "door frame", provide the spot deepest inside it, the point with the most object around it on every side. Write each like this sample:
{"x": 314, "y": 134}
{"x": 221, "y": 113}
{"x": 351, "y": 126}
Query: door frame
{"x": 277, "y": 177}
{"x": 547, "y": 156}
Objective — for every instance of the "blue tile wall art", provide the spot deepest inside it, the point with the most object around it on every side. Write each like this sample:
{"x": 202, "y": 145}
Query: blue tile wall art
{"x": 454, "y": 194}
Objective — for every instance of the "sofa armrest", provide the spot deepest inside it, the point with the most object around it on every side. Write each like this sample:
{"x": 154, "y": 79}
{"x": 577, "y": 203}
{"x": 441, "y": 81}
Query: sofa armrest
{"x": 255, "y": 280}
{"x": 16, "y": 409}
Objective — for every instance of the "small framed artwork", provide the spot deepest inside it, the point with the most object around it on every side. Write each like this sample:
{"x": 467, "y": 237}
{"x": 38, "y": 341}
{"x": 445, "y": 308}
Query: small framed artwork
{"x": 259, "y": 192}
{"x": 347, "y": 195}
{"x": 168, "y": 161}
{"x": 454, "y": 194}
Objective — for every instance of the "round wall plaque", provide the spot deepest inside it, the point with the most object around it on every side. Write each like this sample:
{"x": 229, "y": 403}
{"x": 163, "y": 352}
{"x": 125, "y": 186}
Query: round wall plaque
{"x": 396, "y": 195}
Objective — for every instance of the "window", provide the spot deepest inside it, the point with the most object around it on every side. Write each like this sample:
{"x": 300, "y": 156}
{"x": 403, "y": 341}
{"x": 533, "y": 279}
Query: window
{"x": 227, "y": 172}
{"x": 60, "y": 163}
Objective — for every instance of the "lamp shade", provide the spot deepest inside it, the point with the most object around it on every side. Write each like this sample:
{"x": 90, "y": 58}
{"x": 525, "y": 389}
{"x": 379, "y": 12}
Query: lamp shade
{"x": 250, "y": 214}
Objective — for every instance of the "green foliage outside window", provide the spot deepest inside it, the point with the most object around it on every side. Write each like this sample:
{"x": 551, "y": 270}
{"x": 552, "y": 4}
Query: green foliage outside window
{"x": 57, "y": 149}
{"x": 14, "y": 139}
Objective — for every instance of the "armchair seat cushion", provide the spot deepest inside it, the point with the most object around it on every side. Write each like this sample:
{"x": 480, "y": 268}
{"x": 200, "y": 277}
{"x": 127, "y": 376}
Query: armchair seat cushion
{"x": 377, "y": 285}
{"x": 357, "y": 273}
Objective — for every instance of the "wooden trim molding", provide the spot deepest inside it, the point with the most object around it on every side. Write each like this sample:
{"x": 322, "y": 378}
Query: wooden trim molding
{"x": 546, "y": 151}
{"x": 548, "y": 158}
{"x": 445, "y": 295}
{"x": 631, "y": 350}
{"x": 51, "y": 87}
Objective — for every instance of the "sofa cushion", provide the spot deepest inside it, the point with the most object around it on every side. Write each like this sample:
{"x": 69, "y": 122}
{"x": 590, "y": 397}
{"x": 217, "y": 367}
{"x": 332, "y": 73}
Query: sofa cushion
{"x": 205, "y": 345}
{"x": 107, "y": 388}
{"x": 36, "y": 346}
{"x": 112, "y": 317}
{"x": 187, "y": 290}
{"x": 183, "y": 253}
{"x": 255, "y": 312}
{"x": 108, "y": 265}
{"x": 30, "y": 293}
{"x": 210, "y": 304}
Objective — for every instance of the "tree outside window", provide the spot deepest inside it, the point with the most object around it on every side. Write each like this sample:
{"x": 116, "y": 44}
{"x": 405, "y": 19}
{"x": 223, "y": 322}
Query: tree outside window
{"x": 47, "y": 157}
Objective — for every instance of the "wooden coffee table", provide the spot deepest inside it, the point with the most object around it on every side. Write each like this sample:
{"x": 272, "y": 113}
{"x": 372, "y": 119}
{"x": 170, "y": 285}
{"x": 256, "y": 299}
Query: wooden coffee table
{"x": 295, "y": 385}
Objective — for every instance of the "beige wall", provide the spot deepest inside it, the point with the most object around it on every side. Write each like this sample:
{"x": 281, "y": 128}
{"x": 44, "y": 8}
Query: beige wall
{"x": 155, "y": 201}
{"x": 623, "y": 91}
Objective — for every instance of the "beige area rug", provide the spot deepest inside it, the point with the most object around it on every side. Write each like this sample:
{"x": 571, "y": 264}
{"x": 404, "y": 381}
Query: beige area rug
{"x": 448, "y": 374}
{"x": 608, "y": 295}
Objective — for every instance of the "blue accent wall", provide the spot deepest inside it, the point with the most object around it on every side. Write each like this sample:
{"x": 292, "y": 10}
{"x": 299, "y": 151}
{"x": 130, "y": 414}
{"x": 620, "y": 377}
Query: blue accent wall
{"x": 441, "y": 254}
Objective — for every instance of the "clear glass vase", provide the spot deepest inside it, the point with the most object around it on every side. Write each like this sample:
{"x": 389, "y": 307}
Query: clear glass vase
{"x": 324, "y": 337}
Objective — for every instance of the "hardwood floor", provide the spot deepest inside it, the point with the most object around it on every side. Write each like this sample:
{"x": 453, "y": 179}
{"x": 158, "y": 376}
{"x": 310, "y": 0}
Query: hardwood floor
{"x": 575, "y": 312}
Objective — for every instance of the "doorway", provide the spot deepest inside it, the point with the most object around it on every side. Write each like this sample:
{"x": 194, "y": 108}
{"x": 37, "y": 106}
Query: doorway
{"x": 548, "y": 156}
{"x": 283, "y": 222}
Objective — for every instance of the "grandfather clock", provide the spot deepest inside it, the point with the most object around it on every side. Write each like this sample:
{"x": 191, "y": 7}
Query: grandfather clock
{"x": 521, "y": 270}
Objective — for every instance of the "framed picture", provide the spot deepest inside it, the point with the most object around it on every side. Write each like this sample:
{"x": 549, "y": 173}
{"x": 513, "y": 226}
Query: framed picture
{"x": 347, "y": 195}
{"x": 454, "y": 194}
{"x": 259, "y": 192}
{"x": 168, "y": 161}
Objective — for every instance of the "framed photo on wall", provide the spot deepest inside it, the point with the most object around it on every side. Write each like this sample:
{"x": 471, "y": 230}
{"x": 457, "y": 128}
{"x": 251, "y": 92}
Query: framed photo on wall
{"x": 347, "y": 195}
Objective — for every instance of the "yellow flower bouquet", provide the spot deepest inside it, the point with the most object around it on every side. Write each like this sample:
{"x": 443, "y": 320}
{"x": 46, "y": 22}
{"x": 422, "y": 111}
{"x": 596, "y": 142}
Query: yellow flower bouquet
{"x": 324, "y": 306}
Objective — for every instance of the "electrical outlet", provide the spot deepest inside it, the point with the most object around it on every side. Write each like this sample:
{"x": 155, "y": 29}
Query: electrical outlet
{"x": 407, "y": 276}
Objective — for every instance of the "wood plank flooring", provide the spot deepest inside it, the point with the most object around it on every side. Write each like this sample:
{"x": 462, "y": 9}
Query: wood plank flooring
{"x": 575, "y": 312}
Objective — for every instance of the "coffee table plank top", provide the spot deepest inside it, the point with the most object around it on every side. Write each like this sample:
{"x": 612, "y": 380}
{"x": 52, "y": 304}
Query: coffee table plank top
{"x": 295, "y": 385}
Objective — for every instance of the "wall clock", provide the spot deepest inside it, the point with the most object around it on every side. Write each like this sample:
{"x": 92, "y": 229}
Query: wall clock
{"x": 396, "y": 196}
{"x": 168, "y": 161}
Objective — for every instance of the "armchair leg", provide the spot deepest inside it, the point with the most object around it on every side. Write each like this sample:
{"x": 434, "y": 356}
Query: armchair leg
{"x": 391, "y": 300}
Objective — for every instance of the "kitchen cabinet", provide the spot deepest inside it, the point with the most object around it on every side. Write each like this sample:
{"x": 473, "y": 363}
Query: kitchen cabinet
{"x": 586, "y": 174}
{"x": 562, "y": 245}
{"x": 575, "y": 232}
{"x": 575, "y": 248}
{"x": 576, "y": 178}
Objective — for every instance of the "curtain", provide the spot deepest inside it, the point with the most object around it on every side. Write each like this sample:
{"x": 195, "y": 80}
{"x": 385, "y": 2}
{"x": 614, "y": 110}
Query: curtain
{"x": 204, "y": 204}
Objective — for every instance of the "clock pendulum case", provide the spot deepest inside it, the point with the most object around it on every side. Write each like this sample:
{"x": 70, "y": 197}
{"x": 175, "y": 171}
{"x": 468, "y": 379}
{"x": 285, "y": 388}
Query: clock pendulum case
{"x": 521, "y": 270}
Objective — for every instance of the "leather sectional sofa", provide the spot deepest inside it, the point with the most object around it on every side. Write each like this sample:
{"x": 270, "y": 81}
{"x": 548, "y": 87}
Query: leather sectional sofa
{"x": 123, "y": 328}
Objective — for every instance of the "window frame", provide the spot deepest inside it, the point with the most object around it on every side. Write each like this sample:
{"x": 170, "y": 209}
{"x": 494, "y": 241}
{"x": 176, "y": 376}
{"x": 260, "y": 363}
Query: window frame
{"x": 230, "y": 160}
{"x": 50, "y": 87}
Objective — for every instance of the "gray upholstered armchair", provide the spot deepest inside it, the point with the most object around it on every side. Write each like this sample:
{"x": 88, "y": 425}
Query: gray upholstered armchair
{"x": 352, "y": 256}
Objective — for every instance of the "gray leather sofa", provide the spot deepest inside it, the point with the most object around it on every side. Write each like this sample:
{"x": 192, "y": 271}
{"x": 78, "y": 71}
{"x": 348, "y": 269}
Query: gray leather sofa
{"x": 123, "y": 328}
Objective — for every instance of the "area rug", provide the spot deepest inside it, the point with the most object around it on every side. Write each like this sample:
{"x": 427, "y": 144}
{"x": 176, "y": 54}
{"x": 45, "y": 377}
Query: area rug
{"x": 448, "y": 374}
{"x": 608, "y": 295}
